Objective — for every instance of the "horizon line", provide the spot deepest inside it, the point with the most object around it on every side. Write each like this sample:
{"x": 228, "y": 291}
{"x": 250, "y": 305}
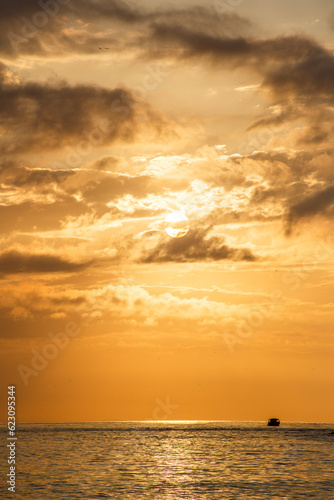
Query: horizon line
{"x": 162, "y": 421}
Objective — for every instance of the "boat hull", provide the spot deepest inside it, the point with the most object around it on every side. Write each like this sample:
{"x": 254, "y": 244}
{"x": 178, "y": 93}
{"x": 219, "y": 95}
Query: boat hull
{"x": 273, "y": 422}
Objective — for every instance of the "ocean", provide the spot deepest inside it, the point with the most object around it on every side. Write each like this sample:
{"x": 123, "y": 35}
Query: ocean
{"x": 171, "y": 461}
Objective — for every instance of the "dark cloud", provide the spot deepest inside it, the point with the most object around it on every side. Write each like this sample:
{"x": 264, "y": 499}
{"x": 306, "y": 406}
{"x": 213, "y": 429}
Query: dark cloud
{"x": 18, "y": 8}
{"x": 83, "y": 117}
{"x": 262, "y": 194}
{"x": 288, "y": 114}
{"x": 312, "y": 76}
{"x": 241, "y": 50}
{"x": 296, "y": 71}
{"x": 199, "y": 18}
{"x": 54, "y": 27}
{"x": 310, "y": 206}
{"x": 15, "y": 174}
{"x": 21, "y": 25}
{"x": 304, "y": 88}
{"x": 316, "y": 134}
{"x": 195, "y": 246}
{"x": 288, "y": 63}
{"x": 195, "y": 31}
{"x": 286, "y": 190}
{"x": 293, "y": 67}
{"x": 203, "y": 20}
{"x": 107, "y": 163}
{"x": 284, "y": 168}
{"x": 12, "y": 262}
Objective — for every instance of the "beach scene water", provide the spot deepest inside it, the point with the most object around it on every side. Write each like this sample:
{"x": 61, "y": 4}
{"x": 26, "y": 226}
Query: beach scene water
{"x": 174, "y": 461}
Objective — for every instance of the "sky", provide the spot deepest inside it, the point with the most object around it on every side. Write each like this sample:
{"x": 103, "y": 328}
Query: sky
{"x": 117, "y": 115}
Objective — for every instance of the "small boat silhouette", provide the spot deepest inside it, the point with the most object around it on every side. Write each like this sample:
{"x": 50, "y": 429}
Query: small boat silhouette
{"x": 273, "y": 422}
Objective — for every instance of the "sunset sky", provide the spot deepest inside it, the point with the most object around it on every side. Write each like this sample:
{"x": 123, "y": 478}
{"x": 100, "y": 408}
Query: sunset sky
{"x": 113, "y": 116}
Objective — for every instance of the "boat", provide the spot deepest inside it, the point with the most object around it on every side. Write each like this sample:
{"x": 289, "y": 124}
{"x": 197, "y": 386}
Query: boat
{"x": 273, "y": 422}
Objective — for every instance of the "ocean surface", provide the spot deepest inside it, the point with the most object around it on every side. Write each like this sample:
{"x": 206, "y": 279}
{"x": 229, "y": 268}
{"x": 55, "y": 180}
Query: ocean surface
{"x": 172, "y": 461}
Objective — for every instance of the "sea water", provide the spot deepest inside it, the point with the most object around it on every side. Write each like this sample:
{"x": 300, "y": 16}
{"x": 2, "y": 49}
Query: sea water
{"x": 171, "y": 461}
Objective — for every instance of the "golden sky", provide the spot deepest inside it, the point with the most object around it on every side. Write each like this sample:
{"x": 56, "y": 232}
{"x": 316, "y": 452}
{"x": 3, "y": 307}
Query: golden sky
{"x": 113, "y": 117}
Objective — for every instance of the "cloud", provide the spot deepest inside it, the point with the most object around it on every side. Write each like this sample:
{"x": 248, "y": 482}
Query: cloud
{"x": 311, "y": 76}
{"x": 113, "y": 186}
{"x": 19, "y": 313}
{"x": 285, "y": 169}
{"x": 85, "y": 116}
{"x": 195, "y": 246}
{"x": 114, "y": 9}
{"x": 14, "y": 174}
{"x": 310, "y": 206}
{"x": 297, "y": 74}
{"x": 180, "y": 33}
{"x": 240, "y": 50}
{"x": 197, "y": 17}
{"x": 44, "y": 29}
{"x": 31, "y": 216}
{"x": 57, "y": 27}
{"x": 287, "y": 114}
{"x": 293, "y": 68}
{"x": 119, "y": 308}
{"x": 331, "y": 19}
{"x": 107, "y": 163}
{"x": 12, "y": 262}
{"x": 106, "y": 187}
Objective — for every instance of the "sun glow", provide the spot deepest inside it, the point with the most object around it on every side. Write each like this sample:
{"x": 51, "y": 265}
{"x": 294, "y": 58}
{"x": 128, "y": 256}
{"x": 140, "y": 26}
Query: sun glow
{"x": 177, "y": 224}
